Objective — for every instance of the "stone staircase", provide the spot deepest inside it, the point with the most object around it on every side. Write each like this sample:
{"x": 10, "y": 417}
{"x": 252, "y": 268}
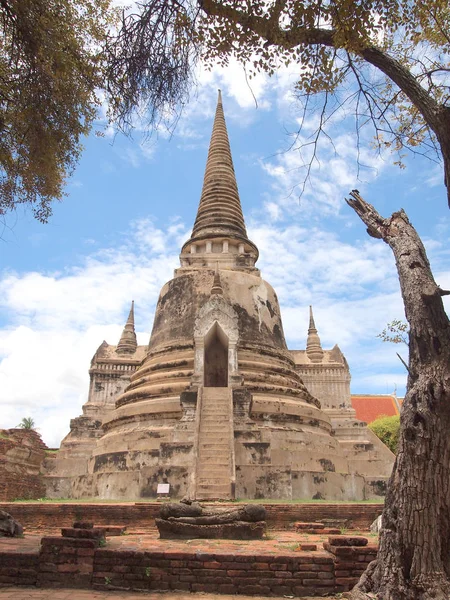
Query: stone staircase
{"x": 215, "y": 461}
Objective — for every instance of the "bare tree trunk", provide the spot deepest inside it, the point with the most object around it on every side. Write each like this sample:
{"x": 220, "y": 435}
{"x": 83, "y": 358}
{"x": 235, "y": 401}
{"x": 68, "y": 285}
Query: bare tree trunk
{"x": 413, "y": 561}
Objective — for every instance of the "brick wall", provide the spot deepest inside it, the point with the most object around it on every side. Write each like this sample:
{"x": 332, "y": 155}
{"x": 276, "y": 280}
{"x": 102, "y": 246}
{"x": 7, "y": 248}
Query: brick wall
{"x": 18, "y": 569}
{"x": 358, "y": 516}
{"x": 141, "y": 517}
{"x": 262, "y": 575}
{"x": 81, "y": 563}
{"x": 22, "y": 452}
{"x": 65, "y": 562}
{"x": 350, "y": 562}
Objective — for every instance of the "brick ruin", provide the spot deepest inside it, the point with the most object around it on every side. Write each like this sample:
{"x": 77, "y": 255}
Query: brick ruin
{"x": 82, "y": 558}
{"x": 22, "y": 453}
{"x": 73, "y": 553}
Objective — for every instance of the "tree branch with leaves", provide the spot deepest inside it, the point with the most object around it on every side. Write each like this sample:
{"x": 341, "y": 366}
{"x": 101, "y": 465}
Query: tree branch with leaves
{"x": 51, "y": 67}
{"x": 389, "y": 58}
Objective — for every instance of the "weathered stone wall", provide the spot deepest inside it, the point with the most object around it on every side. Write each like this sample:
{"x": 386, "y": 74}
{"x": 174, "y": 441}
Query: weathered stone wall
{"x": 22, "y": 453}
{"x": 141, "y": 517}
{"x": 252, "y": 298}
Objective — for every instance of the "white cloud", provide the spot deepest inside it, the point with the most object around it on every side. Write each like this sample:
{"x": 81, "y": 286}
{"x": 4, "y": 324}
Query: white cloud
{"x": 353, "y": 288}
{"x": 316, "y": 178}
{"x": 56, "y": 321}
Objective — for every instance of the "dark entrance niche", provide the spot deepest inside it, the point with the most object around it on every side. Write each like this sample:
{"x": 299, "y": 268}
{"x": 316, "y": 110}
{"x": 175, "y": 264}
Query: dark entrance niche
{"x": 216, "y": 358}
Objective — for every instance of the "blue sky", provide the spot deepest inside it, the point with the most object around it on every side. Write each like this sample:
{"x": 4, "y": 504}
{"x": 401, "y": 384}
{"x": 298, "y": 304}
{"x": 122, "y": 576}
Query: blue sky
{"x": 66, "y": 286}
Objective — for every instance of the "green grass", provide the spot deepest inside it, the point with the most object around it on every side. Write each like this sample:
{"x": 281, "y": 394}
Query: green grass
{"x": 72, "y": 501}
{"x": 147, "y": 500}
{"x": 307, "y": 501}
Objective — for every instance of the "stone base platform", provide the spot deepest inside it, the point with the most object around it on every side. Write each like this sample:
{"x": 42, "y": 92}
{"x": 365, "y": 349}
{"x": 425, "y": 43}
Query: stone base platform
{"x": 239, "y": 530}
{"x": 268, "y": 567}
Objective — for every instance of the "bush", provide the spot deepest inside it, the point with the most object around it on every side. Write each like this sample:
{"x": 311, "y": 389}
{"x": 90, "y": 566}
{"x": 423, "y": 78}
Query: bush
{"x": 387, "y": 429}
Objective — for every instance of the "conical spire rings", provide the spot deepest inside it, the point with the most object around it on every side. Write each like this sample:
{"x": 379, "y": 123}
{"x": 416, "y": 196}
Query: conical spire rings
{"x": 313, "y": 346}
{"x": 220, "y": 207}
{"x": 128, "y": 342}
{"x": 219, "y": 217}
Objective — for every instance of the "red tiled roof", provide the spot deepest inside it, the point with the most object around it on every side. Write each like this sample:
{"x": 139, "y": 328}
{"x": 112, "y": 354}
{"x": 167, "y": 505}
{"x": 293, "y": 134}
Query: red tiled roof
{"x": 368, "y": 408}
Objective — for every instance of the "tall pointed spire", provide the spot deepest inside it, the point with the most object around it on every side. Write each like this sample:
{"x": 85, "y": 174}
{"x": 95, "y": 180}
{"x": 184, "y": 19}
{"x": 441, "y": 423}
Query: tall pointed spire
{"x": 220, "y": 210}
{"x": 219, "y": 233}
{"x": 313, "y": 347}
{"x": 128, "y": 343}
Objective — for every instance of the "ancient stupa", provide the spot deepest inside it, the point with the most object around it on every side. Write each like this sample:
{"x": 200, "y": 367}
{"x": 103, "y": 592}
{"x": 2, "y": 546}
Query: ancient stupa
{"x": 216, "y": 405}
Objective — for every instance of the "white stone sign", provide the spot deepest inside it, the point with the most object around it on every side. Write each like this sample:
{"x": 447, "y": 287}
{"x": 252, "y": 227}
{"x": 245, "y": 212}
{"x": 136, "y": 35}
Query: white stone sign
{"x": 163, "y": 488}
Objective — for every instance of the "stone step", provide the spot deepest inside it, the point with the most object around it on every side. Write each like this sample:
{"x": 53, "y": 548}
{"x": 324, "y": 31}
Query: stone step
{"x": 212, "y": 402}
{"x": 219, "y": 493}
{"x": 349, "y": 442}
{"x": 204, "y": 475}
{"x": 214, "y": 417}
{"x": 214, "y": 436}
{"x": 209, "y": 481}
{"x": 206, "y": 441}
{"x": 206, "y": 470}
{"x": 215, "y": 400}
{"x": 205, "y": 497}
{"x": 206, "y": 462}
{"x": 207, "y": 474}
{"x": 214, "y": 489}
{"x": 215, "y": 469}
{"x": 214, "y": 458}
{"x": 213, "y": 443}
{"x": 206, "y": 454}
{"x": 215, "y": 403}
{"x": 224, "y": 428}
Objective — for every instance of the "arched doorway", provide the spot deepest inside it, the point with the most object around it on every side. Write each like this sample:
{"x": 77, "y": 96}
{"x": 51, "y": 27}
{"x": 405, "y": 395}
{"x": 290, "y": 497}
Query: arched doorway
{"x": 216, "y": 358}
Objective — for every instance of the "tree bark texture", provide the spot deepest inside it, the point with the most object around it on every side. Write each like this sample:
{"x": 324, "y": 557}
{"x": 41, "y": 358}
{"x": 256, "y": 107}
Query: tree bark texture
{"x": 413, "y": 561}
